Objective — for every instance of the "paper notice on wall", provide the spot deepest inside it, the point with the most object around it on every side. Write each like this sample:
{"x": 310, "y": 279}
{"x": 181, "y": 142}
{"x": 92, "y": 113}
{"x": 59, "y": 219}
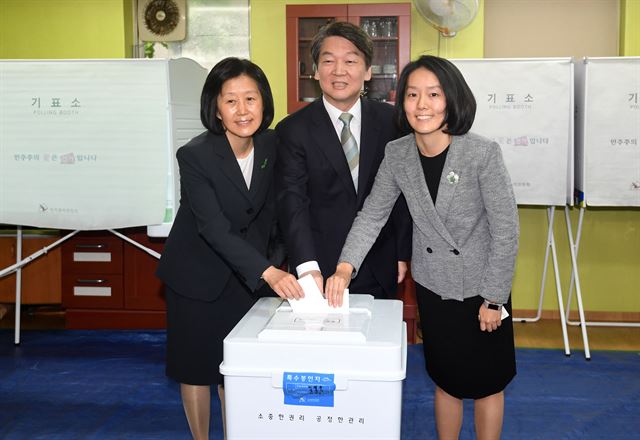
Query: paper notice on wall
{"x": 83, "y": 144}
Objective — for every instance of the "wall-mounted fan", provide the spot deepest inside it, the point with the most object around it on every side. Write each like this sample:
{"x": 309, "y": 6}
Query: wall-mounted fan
{"x": 162, "y": 20}
{"x": 448, "y": 16}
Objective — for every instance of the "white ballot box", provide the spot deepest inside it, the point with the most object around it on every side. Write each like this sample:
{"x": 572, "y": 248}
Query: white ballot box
{"x": 316, "y": 376}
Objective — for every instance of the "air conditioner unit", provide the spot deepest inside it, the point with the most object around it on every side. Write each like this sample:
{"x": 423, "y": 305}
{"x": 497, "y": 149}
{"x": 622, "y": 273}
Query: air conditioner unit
{"x": 162, "y": 20}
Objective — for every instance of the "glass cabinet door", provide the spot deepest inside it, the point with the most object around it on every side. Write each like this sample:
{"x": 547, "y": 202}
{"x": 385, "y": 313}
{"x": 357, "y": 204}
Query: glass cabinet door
{"x": 303, "y": 23}
{"x": 384, "y": 65}
{"x": 388, "y": 25}
{"x": 308, "y": 88}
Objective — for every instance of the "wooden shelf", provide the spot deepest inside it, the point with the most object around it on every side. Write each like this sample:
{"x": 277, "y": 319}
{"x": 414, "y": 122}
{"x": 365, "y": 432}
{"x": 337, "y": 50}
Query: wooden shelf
{"x": 384, "y": 76}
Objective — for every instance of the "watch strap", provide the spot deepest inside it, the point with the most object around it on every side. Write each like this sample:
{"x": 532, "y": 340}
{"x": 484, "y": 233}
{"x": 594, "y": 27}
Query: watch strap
{"x": 492, "y": 306}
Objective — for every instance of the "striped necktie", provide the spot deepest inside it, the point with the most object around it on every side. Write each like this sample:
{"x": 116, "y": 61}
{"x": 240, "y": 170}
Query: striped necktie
{"x": 350, "y": 147}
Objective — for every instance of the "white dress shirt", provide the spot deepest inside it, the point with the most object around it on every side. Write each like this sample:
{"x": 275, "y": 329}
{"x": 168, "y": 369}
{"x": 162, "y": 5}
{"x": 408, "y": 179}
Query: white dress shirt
{"x": 246, "y": 166}
{"x": 355, "y": 127}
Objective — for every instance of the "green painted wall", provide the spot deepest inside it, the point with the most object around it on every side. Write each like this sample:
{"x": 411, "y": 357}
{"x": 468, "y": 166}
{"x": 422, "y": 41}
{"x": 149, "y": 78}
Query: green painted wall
{"x": 630, "y": 28}
{"x": 610, "y": 248}
{"x": 58, "y": 29}
{"x": 609, "y": 256}
{"x": 609, "y": 259}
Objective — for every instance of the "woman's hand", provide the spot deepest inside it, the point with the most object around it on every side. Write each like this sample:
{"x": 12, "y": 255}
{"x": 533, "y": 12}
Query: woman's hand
{"x": 283, "y": 283}
{"x": 489, "y": 319}
{"x": 336, "y": 283}
{"x": 403, "y": 267}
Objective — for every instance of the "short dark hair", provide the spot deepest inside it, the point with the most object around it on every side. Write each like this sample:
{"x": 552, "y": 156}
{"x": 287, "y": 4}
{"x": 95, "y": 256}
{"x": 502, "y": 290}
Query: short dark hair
{"x": 349, "y": 31}
{"x": 461, "y": 105}
{"x": 227, "y": 69}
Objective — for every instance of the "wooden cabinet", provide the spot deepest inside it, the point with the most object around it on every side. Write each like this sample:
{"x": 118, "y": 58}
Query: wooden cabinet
{"x": 110, "y": 283}
{"x": 40, "y": 278}
{"x": 388, "y": 24}
{"x": 143, "y": 290}
{"x": 92, "y": 272}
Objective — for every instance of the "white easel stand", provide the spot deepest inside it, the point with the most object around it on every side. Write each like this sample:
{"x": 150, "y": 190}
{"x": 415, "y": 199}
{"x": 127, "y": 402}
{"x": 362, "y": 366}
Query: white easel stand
{"x": 16, "y": 331}
{"x": 574, "y": 275}
{"x": 551, "y": 244}
{"x": 17, "y": 268}
{"x": 575, "y": 278}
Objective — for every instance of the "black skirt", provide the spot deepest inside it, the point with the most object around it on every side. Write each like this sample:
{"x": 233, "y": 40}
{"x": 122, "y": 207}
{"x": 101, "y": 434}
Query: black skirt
{"x": 461, "y": 359}
{"x": 196, "y": 329}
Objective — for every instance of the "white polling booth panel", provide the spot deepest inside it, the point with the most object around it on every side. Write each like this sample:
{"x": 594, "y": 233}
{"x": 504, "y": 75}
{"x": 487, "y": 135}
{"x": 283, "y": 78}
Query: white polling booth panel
{"x": 608, "y": 131}
{"x": 316, "y": 376}
{"x": 184, "y": 99}
{"x": 526, "y": 105}
{"x": 89, "y": 144}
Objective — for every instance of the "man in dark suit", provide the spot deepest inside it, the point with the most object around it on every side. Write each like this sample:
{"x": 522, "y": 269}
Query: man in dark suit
{"x": 328, "y": 157}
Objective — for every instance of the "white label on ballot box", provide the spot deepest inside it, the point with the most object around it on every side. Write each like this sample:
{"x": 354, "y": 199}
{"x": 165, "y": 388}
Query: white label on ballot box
{"x": 308, "y": 389}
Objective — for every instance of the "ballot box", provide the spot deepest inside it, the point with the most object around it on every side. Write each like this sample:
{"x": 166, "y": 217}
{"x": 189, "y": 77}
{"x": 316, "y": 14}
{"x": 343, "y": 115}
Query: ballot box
{"x": 316, "y": 376}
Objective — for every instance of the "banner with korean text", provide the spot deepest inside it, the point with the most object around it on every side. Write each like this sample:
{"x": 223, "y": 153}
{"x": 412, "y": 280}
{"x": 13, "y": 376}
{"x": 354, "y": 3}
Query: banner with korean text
{"x": 526, "y": 105}
{"x": 83, "y": 143}
{"x": 608, "y": 131}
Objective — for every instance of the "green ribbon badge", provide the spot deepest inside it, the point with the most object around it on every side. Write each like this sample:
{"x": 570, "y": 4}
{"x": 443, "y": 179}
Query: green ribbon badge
{"x": 264, "y": 163}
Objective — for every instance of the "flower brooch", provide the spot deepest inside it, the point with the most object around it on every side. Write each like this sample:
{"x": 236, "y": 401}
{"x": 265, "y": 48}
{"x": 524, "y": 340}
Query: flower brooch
{"x": 452, "y": 178}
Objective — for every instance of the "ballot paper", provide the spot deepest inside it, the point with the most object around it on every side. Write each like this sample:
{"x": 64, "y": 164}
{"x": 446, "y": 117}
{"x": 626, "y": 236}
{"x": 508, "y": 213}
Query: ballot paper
{"x": 314, "y": 302}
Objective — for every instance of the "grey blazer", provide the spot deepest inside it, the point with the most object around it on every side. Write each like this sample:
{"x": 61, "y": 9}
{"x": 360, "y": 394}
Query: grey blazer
{"x": 467, "y": 243}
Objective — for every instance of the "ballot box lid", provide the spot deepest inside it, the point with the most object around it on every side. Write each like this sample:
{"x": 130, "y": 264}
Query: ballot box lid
{"x": 367, "y": 342}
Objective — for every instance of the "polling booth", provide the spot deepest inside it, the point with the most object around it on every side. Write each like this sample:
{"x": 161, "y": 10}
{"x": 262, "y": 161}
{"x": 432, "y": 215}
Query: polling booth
{"x": 608, "y": 131}
{"x": 607, "y": 159}
{"x": 290, "y": 375}
{"x": 527, "y": 106}
{"x": 90, "y": 144}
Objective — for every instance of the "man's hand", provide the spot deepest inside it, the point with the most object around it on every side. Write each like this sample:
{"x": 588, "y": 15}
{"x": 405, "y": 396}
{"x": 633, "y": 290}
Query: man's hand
{"x": 403, "y": 267}
{"x": 283, "y": 283}
{"x": 336, "y": 284}
{"x": 317, "y": 277}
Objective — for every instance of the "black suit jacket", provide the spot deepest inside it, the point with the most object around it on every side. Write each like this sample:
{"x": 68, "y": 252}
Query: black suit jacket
{"x": 316, "y": 198}
{"x": 222, "y": 229}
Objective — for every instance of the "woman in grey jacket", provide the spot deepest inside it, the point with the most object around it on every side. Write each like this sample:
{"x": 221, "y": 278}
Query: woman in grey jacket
{"x": 465, "y": 241}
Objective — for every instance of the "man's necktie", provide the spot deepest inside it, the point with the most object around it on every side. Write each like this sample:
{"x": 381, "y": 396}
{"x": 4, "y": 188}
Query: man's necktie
{"x": 350, "y": 147}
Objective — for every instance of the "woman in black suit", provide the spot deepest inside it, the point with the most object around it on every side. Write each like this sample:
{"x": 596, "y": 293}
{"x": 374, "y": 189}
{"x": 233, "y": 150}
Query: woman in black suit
{"x": 223, "y": 245}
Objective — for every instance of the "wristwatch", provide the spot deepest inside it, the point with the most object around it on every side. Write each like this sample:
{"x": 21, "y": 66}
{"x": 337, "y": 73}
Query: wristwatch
{"x": 492, "y": 306}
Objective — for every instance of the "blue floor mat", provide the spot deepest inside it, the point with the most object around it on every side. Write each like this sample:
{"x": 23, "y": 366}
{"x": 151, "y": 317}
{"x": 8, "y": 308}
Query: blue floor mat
{"x": 111, "y": 384}
{"x": 552, "y": 397}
